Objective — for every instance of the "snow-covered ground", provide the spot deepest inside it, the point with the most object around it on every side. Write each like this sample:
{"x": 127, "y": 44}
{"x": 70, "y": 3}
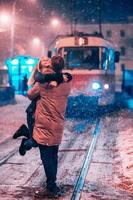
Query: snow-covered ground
{"x": 118, "y": 144}
{"x": 125, "y": 150}
{"x": 12, "y": 116}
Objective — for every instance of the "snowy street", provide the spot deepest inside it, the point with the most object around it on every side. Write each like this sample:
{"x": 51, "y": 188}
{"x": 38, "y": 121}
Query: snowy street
{"x": 110, "y": 175}
{"x": 74, "y": 61}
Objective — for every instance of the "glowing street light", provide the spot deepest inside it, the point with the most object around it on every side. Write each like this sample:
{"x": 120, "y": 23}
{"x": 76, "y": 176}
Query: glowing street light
{"x": 5, "y": 19}
{"x": 8, "y": 21}
{"x": 13, "y": 25}
{"x": 37, "y": 46}
{"x": 36, "y": 41}
{"x": 33, "y": 1}
{"x": 55, "y": 22}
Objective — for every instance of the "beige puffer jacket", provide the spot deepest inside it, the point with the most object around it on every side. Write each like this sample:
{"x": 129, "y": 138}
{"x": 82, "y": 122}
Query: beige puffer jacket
{"x": 49, "y": 115}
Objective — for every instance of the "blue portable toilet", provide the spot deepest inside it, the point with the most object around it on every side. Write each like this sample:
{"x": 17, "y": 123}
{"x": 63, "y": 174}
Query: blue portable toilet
{"x": 18, "y": 67}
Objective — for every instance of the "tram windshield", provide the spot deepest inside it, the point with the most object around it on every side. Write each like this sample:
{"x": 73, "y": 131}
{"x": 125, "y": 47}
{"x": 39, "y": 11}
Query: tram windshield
{"x": 87, "y": 57}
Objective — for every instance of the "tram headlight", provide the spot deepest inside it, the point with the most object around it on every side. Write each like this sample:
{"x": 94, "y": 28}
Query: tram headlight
{"x": 96, "y": 86}
{"x": 106, "y": 86}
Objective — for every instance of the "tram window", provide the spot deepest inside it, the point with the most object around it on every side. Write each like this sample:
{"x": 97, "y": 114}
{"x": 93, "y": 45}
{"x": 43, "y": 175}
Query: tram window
{"x": 111, "y": 60}
{"x": 82, "y": 57}
{"x": 73, "y": 57}
{"x": 123, "y": 51}
{"x": 104, "y": 58}
{"x": 107, "y": 59}
{"x": 91, "y": 57}
{"x": 122, "y": 33}
{"x": 109, "y": 33}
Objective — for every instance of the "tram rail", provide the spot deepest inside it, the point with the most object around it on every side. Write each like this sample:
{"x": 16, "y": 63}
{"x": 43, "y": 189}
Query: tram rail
{"x": 85, "y": 167}
{"x": 73, "y": 145}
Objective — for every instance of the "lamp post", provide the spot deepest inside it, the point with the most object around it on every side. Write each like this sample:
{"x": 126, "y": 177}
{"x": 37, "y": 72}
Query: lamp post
{"x": 13, "y": 28}
{"x": 6, "y": 20}
{"x": 55, "y": 23}
{"x": 13, "y": 25}
{"x": 37, "y": 47}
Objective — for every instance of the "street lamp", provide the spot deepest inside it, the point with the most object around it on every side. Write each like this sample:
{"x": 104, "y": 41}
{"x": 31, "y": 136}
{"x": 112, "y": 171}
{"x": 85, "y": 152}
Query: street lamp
{"x": 4, "y": 19}
{"x": 37, "y": 46}
{"x": 55, "y": 22}
{"x": 13, "y": 27}
{"x": 36, "y": 41}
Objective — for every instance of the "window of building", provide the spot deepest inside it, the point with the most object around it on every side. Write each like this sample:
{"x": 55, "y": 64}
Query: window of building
{"x": 123, "y": 51}
{"x": 122, "y": 33}
{"x": 95, "y": 33}
{"x": 109, "y": 33}
{"x": 122, "y": 66}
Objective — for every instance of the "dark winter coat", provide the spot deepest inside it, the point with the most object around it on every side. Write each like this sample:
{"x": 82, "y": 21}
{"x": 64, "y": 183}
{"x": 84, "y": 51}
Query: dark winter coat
{"x": 43, "y": 78}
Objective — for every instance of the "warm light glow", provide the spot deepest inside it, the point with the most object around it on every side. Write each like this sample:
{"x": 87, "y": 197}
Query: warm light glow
{"x": 36, "y": 40}
{"x": 33, "y": 1}
{"x": 5, "y": 19}
{"x": 55, "y": 22}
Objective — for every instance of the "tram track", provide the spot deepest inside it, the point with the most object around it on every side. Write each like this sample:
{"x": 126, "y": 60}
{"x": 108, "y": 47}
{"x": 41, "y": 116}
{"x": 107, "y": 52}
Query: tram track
{"x": 86, "y": 164}
{"x": 9, "y": 147}
{"x": 9, "y": 142}
{"x": 75, "y": 144}
{"x": 20, "y": 176}
{"x": 8, "y": 156}
{"x": 9, "y": 152}
{"x": 83, "y": 170}
{"x": 68, "y": 146}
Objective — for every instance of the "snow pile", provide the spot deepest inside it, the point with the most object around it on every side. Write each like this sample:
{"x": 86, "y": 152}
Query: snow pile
{"x": 12, "y": 116}
{"x": 125, "y": 148}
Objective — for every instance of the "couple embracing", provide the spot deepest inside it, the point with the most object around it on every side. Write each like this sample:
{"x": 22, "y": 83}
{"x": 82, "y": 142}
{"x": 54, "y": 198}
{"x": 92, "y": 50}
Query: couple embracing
{"x": 45, "y": 118}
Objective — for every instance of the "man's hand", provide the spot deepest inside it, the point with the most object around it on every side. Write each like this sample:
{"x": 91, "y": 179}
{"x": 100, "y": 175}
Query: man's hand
{"x": 53, "y": 84}
{"x": 67, "y": 77}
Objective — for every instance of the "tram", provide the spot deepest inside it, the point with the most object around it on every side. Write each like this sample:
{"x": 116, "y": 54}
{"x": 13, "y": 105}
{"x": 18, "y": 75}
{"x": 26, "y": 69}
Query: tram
{"x": 7, "y": 92}
{"x": 91, "y": 60}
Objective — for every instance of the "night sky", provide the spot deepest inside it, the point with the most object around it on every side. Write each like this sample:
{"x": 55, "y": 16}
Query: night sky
{"x": 33, "y": 18}
{"x": 84, "y": 11}
{"x": 87, "y": 10}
